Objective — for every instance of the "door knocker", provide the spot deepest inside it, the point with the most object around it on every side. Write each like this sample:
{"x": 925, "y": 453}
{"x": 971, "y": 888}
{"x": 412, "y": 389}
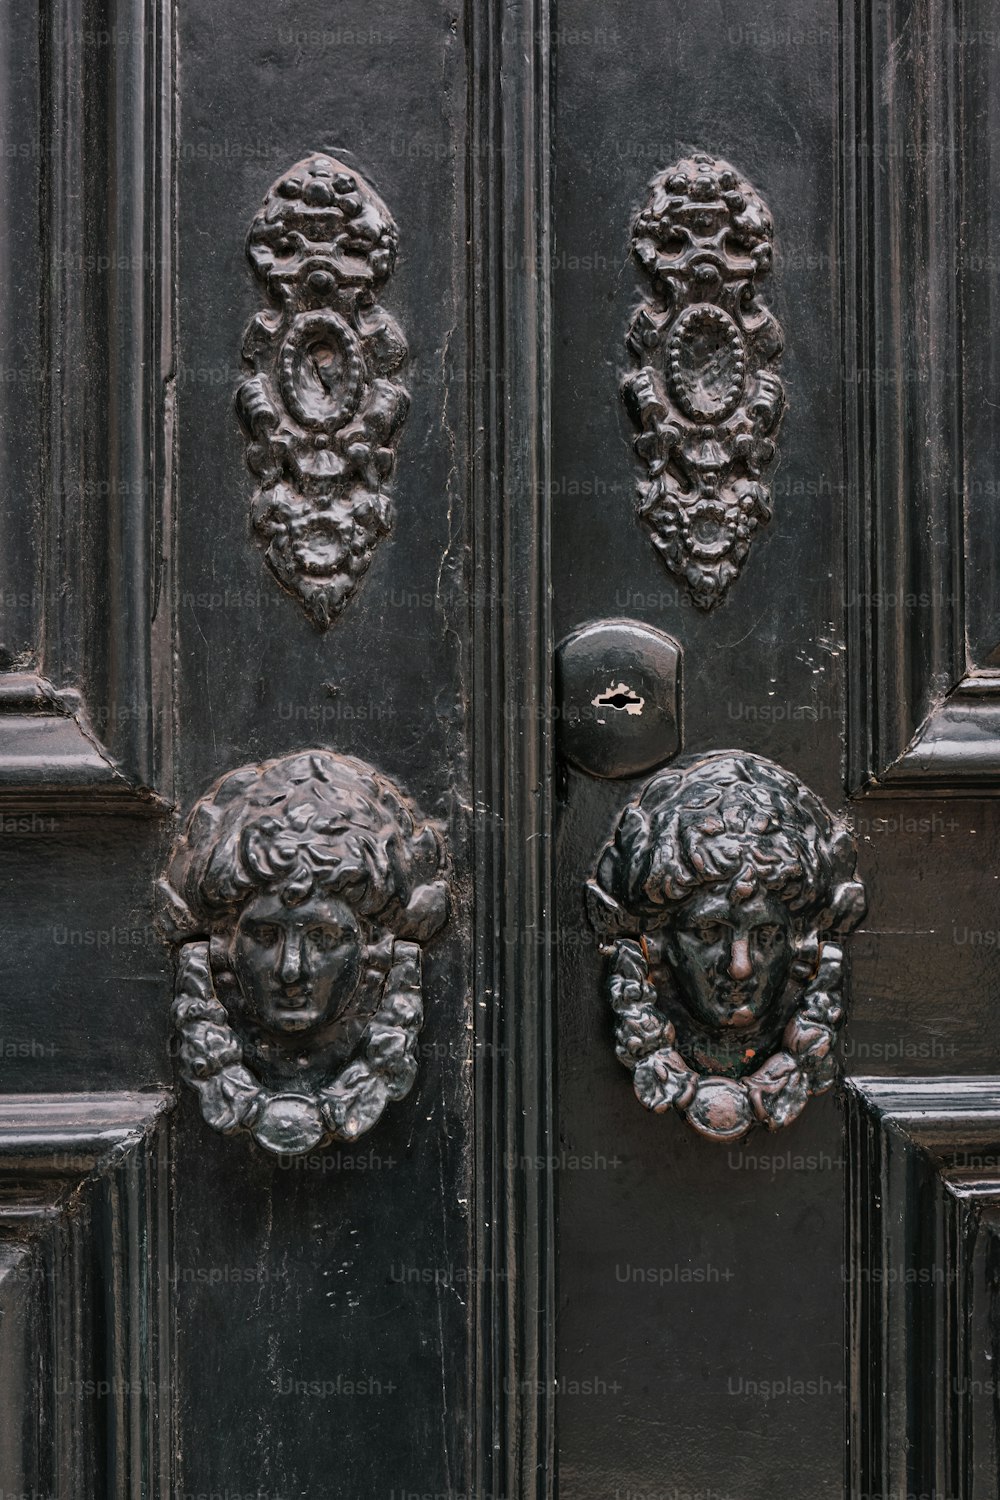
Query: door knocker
{"x": 721, "y": 904}
{"x": 298, "y": 897}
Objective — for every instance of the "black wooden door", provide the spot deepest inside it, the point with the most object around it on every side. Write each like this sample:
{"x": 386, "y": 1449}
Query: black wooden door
{"x": 498, "y": 738}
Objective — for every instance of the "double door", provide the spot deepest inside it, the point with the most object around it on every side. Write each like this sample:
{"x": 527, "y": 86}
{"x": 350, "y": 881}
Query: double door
{"x": 498, "y": 746}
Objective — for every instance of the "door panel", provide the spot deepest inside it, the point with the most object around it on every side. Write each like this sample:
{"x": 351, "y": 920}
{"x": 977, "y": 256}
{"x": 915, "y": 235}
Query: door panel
{"x": 347, "y": 1266}
{"x": 363, "y": 1319}
{"x": 379, "y": 1315}
{"x": 86, "y": 721}
{"x": 87, "y": 1293}
{"x": 922, "y": 1246}
{"x": 702, "y": 1287}
{"x": 694, "y": 1276}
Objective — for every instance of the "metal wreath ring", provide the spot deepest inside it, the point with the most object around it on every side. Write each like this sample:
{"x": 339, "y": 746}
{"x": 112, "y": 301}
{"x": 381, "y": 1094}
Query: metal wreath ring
{"x": 290, "y": 1122}
{"x": 716, "y": 1106}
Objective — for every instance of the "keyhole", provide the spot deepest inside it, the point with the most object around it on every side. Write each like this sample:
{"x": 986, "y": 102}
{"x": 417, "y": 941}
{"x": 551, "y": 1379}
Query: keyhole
{"x": 621, "y": 698}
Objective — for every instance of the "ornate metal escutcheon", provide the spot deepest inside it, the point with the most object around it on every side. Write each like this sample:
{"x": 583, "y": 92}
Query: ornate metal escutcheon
{"x": 704, "y": 393}
{"x": 322, "y": 409}
{"x": 721, "y": 904}
{"x": 298, "y": 897}
{"x": 618, "y": 697}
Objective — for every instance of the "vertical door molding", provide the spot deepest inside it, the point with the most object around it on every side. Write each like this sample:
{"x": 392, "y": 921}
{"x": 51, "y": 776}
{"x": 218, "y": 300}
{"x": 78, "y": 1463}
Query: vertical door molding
{"x": 923, "y": 712}
{"x": 922, "y": 1266}
{"x": 88, "y": 724}
{"x": 86, "y": 1295}
{"x": 509, "y": 333}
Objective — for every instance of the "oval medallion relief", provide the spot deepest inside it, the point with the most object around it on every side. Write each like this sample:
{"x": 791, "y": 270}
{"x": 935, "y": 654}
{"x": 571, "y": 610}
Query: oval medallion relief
{"x": 707, "y": 364}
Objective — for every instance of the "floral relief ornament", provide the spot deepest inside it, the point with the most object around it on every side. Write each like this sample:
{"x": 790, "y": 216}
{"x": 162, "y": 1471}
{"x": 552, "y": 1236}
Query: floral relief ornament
{"x": 322, "y": 407}
{"x": 721, "y": 904}
{"x": 704, "y": 392}
{"x": 298, "y": 897}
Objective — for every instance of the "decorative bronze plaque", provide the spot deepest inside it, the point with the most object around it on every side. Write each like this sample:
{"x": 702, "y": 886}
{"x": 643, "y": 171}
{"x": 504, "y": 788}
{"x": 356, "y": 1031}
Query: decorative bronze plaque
{"x": 322, "y": 409}
{"x": 704, "y": 393}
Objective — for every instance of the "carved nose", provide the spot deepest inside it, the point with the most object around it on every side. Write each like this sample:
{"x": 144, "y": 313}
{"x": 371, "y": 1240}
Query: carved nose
{"x": 291, "y": 959}
{"x": 740, "y": 966}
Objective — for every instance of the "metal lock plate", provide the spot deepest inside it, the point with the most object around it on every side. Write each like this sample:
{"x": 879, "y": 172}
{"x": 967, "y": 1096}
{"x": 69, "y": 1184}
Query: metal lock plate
{"x": 618, "y": 691}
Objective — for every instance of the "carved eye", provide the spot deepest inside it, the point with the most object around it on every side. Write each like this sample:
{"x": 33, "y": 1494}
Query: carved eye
{"x": 770, "y": 937}
{"x": 266, "y": 934}
{"x": 324, "y": 938}
{"x": 709, "y": 932}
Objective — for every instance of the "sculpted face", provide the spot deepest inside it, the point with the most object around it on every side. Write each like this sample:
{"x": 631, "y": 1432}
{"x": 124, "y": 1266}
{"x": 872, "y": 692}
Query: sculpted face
{"x": 297, "y": 967}
{"x": 731, "y": 959}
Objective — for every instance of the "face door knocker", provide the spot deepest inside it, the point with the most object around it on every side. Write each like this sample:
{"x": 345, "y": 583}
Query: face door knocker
{"x": 298, "y": 896}
{"x": 323, "y": 406}
{"x": 721, "y": 903}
